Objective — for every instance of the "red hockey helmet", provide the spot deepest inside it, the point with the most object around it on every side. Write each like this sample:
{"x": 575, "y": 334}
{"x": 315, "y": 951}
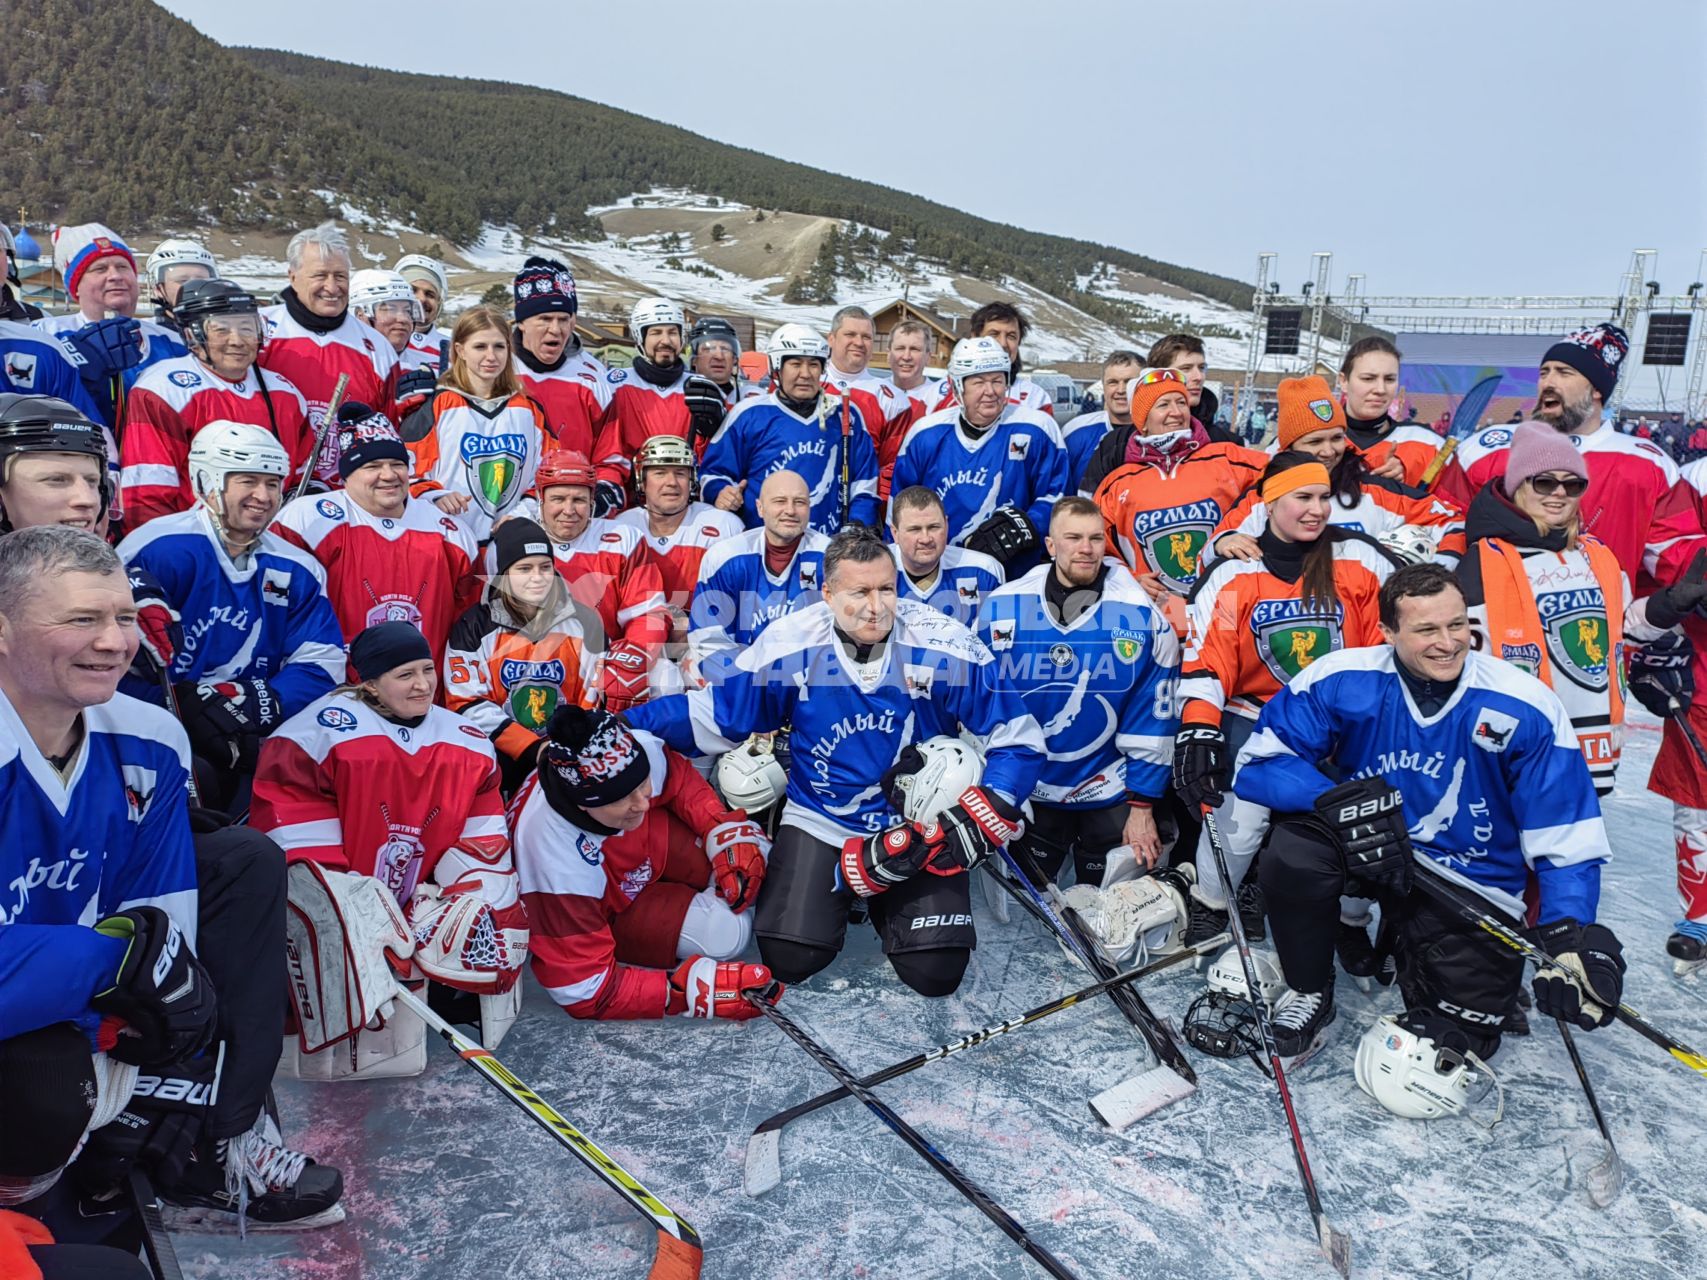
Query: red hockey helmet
{"x": 564, "y": 467}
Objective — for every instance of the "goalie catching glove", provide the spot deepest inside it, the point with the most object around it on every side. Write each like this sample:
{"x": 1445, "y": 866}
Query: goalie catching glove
{"x": 1585, "y": 982}
{"x": 737, "y": 848}
{"x": 463, "y": 941}
{"x": 704, "y": 988}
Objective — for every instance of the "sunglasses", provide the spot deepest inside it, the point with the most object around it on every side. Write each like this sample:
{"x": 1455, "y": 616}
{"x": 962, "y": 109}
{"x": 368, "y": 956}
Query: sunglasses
{"x": 1154, "y": 376}
{"x": 1547, "y": 486}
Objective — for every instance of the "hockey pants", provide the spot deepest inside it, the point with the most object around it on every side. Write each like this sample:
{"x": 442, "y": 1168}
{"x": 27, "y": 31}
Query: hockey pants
{"x": 1087, "y": 834}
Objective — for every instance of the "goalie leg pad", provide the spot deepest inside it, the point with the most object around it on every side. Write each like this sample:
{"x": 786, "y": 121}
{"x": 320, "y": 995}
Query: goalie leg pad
{"x": 340, "y": 930}
{"x": 396, "y": 1048}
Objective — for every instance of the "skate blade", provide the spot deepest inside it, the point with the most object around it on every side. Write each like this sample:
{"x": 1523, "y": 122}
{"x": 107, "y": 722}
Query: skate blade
{"x": 1130, "y": 1101}
{"x": 205, "y": 1220}
{"x": 1365, "y": 985}
{"x": 1683, "y": 968}
{"x": 763, "y": 1171}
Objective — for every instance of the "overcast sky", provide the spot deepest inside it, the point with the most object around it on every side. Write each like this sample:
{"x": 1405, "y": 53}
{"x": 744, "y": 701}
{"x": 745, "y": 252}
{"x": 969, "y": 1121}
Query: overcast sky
{"x": 1436, "y": 146}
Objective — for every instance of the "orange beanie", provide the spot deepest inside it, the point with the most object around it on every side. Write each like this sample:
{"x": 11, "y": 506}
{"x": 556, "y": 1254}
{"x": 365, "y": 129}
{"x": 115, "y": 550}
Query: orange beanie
{"x": 1306, "y": 405}
{"x": 1150, "y": 386}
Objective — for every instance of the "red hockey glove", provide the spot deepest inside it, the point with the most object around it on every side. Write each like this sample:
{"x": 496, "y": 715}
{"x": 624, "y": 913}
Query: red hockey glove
{"x": 705, "y": 988}
{"x": 980, "y": 823}
{"x": 737, "y": 848}
{"x": 876, "y": 864}
{"x": 626, "y": 668}
{"x": 158, "y": 625}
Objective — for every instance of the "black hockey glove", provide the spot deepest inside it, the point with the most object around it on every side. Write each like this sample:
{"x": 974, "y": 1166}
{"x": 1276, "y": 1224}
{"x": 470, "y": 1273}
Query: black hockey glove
{"x": 161, "y": 1141}
{"x": 1367, "y": 821}
{"x": 1668, "y": 607}
{"x": 161, "y": 991}
{"x": 227, "y": 719}
{"x": 706, "y": 405}
{"x": 1662, "y": 672}
{"x": 1200, "y": 765}
{"x": 608, "y": 499}
{"x": 980, "y": 823}
{"x": 1006, "y": 536}
{"x": 415, "y": 385}
{"x": 1585, "y": 982}
{"x": 108, "y": 347}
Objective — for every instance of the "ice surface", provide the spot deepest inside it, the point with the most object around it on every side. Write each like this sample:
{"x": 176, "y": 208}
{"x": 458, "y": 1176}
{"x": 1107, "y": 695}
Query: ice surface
{"x": 447, "y": 1179}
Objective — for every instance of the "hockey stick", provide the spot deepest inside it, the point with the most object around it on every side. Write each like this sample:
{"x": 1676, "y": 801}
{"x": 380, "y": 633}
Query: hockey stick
{"x": 156, "y": 1242}
{"x": 1335, "y": 1243}
{"x": 1680, "y": 713}
{"x": 1605, "y": 1179}
{"x": 764, "y": 1148}
{"x": 911, "y": 1136}
{"x": 327, "y": 420}
{"x": 1433, "y": 882}
{"x": 1464, "y": 420}
{"x": 847, "y": 477}
{"x": 171, "y": 696}
{"x": 1072, "y": 935}
{"x": 680, "y": 1255}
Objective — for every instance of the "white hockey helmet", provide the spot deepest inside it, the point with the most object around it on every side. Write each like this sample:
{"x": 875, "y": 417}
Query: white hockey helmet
{"x": 223, "y": 449}
{"x": 180, "y": 253}
{"x": 750, "y": 777}
{"x": 972, "y": 356}
{"x": 370, "y": 287}
{"x": 655, "y": 311}
{"x": 422, "y": 263}
{"x": 947, "y": 766}
{"x": 1405, "y": 1073}
{"x": 1410, "y": 543}
{"x": 796, "y": 340}
{"x": 1227, "y": 975}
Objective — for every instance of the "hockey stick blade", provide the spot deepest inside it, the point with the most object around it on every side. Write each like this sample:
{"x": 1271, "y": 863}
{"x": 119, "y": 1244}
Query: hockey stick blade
{"x": 764, "y": 1148}
{"x": 1607, "y": 1177}
{"x": 156, "y": 1241}
{"x": 1144, "y": 1094}
{"x": 680, "y": 1255}
{"x": 1335, "y": 1243}
{"x": 976, "y": 1195}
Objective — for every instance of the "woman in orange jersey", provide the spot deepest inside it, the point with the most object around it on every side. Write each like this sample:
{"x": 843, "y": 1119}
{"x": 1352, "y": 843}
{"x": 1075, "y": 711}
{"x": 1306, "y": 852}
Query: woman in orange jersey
{"x": 1369, "y": 386}
{"x": 1311, "y": 421}
{"x": 521, "y": 652}
{"x": 477, "y": 441}
{"x": 1170, "y": 491}
{"x": 1254, "y": 624}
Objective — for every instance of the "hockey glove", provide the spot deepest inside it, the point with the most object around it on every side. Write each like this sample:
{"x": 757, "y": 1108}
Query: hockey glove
{"x": 157, "y": 622}
{"x": 608, "y": 499}
{"x": 706, "y": 405}
{"x": 161, "y": 992}
{"x": 108, "y": 347}
{"x": 1585, "y": 982}
{"x": 1687, "y": 595}
{"x": 1367, "y": 821}
{"x": 1006, "y": 536}
{"x": 227, "y": 720}
{"x": 1662, "y": 673}
{"x": 626, "y": 669}
{"x": 461, "y": 941}
{"x": 980, "y": 823}
{"x": 704, "y": 988}
{"x": 414, "y": 386}
{"x": 1200, "y": 766}
{"x": 738, "y": 849}
{"x": 876, "y": 864}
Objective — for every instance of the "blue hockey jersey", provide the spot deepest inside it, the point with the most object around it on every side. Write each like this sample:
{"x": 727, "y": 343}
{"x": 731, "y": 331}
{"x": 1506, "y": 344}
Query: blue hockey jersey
{"x": 1494, "y": 783}
{"x": 850, "y": 720}
{"x": 38, "y": 364}
{"x": 738, "y": 597}
{"x": 1019, "y": 461}
{"x": 1101, "y": 687}
{"x": 268, "y": 618}
{"x": 964, "y": 580}
{"x": 1080, "y": 437}
{"x": 763, "y": 435}
{"x": 116, "y": 835}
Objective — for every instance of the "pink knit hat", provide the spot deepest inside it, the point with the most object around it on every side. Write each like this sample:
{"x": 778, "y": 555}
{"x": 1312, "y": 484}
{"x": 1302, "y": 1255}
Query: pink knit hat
{"x": 1537, "y": 447}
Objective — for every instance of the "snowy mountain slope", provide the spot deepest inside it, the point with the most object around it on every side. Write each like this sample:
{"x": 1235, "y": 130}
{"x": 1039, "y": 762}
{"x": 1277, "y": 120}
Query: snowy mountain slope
{"x": 446, "y": 1179}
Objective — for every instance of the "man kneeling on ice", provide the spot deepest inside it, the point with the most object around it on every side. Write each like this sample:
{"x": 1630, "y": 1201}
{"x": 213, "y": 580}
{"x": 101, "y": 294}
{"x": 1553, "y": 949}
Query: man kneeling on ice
{"x": 862, "y": 678}
{"x": 1468, "y": 762}
{"x": 636, "y": 878}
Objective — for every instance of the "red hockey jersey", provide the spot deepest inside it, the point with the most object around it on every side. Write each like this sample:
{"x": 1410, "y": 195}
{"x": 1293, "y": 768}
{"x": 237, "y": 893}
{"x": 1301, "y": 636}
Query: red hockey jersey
{"x": 611, "y": 571}
{"x": 574, "y": 396}
{"x": 637, "y": 411}
{"x": 575, "y": 883}
{"x": 341, "y": 785}
{"x": 313, "y": 362}
{"x": 886, "y": 412}
{"x": 678, "y": 554}
{"x": 175, "y": 399}
{"x": 418, "y": 568}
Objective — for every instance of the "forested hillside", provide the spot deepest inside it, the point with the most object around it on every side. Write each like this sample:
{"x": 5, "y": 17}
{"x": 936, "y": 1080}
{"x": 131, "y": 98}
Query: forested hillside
{"x": 122, "y": 112}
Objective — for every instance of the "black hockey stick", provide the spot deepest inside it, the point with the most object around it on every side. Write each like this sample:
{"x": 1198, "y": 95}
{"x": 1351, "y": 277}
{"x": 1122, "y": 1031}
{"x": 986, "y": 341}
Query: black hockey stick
{"x": 1607, "y": 1177}
{"x": 680, "y": 1255}
{"x": 1335, "y": 1243}
{"x": 156, "y": 1242}
{"x": 764, "y": 1148}
{"x": 1072, "y": 934}
{"x": 1433, "y": 882}
{"x": 328, "y": 421}
{"x": 911, "y": 1136}
{"x": 1680, "y": 713}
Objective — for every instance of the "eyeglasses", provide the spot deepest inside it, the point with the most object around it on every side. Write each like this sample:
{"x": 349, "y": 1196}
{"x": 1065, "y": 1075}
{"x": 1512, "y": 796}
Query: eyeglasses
{"x": 1546, "y": 486}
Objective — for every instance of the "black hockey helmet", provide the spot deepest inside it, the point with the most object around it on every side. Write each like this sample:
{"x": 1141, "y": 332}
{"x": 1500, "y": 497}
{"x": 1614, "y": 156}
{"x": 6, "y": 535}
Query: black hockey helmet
{"x": 713, "y": 329}
{"x": 46, "y": 424}
{"x": 199, "y": 299}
